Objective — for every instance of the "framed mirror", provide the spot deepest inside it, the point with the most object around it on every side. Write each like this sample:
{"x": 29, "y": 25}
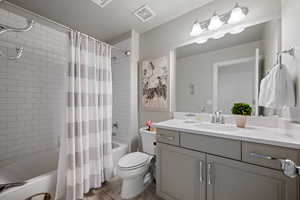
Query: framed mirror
{"x": 212, "y": 75}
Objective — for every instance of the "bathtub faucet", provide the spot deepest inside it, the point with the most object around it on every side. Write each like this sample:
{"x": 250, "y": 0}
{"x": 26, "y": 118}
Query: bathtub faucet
{"x": 6, "y": 186}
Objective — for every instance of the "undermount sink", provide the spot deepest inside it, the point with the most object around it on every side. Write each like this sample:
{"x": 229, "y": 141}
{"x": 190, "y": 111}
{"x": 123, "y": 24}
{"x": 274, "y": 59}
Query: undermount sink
{"x": 212, "y": 126}
{"x": 190, "y": 122}
{"x": 225, "y": 127}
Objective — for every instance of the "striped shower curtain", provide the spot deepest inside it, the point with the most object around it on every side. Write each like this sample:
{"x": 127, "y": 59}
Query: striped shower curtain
{"x": 86, "y": 151}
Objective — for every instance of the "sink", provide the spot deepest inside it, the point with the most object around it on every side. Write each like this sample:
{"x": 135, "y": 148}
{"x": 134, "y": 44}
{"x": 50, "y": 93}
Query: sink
{"x": 217, "y": 127}
{"x": 190, "y": 122}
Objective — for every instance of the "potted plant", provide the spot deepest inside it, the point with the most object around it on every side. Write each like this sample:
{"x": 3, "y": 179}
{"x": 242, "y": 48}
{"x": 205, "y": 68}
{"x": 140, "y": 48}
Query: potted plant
{"x": 241, "y": 110}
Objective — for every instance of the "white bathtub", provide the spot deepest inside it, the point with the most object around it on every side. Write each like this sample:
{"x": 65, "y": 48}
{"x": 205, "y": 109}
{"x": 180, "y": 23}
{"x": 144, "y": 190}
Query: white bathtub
{"x": 39, "y": 171}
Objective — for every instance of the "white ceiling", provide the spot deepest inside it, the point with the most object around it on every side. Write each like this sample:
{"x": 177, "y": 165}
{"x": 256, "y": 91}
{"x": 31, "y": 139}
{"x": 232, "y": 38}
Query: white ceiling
{"x": 113, "y": 20}
{"x": 251, "y": 34}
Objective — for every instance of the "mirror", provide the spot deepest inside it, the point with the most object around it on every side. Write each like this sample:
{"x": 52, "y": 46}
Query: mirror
{"x": 213, "y": 75}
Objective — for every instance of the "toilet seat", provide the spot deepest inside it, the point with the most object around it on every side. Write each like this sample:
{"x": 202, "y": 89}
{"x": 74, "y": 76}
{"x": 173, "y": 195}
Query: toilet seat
{"x": 133, "y": 161}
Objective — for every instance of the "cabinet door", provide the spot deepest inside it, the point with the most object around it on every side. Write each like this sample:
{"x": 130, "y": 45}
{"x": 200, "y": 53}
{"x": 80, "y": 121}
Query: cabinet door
{"x": 181, "y": 174}
{"x": 233, "y": 180}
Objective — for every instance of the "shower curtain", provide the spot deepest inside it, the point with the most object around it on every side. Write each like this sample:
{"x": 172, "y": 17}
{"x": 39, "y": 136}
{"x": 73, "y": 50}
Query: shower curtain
{"x": 86, "y": 152}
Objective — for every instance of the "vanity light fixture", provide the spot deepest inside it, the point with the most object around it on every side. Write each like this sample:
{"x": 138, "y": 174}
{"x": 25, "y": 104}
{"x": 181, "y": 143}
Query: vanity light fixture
{"x": 202, "y": 40}
{"x": 197, "y": 29}
{"x": 215, "y": 22}
{"x": 218, "y": 36}
{"x": 101, "y": 3}
{"x": 237, "y": 30}
{"x": 237, "y": 14}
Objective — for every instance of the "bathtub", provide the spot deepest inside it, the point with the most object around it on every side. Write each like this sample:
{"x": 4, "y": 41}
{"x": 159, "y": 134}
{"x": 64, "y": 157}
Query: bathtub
{"x": 39, "y": 171}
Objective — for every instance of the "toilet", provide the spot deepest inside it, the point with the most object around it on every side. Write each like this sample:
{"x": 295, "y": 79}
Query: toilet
{"x": 133, "y": 168}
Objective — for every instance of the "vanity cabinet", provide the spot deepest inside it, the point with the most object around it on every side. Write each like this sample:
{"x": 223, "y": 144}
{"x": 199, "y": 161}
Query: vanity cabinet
{"x": 181, "y": 173}
{"x": 233, "y": 180}
{"x": 199, "y": 167}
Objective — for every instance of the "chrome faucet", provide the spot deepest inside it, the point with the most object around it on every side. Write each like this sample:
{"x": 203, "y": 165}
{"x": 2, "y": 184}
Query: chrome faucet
{"x": 218, "y": 118}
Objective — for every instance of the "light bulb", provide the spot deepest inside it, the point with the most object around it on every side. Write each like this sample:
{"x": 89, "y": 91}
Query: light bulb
{"x": 237, "y": 30}
{"x": 215, "y": 22}
{"x": 237, "y": 14}
{"x": 196, "y": 30}
{"x": 201, "y": 41}
{"x": 218, "y": 35}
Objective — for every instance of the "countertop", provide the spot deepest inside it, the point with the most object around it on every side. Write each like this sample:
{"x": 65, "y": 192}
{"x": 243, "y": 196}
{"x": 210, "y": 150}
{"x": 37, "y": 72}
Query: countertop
{"x": 272, "y": 136}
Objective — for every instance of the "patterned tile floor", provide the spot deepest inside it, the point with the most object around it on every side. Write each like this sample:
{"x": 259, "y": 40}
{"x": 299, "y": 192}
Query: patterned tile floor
{"x": 112, "y": 190}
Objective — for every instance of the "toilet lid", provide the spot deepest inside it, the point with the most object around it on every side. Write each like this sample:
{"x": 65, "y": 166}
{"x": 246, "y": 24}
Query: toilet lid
{"x": 132, "y": 160}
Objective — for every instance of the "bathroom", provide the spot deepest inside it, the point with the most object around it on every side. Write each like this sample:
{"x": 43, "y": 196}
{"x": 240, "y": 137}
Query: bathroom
{"x": 170, "y": 132}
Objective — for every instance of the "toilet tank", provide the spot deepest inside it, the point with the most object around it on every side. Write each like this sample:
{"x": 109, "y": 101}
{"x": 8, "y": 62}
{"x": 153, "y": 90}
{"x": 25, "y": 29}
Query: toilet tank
{"x": 148, "y": 138}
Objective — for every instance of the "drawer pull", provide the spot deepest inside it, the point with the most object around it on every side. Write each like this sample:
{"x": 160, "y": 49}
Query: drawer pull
{"x": 201, "y": 171}
{"x": 288, "y": 167}
{"x": 257, "y": 155}
{"x": 209, "y": 173}
{"x": 166, "y": 137}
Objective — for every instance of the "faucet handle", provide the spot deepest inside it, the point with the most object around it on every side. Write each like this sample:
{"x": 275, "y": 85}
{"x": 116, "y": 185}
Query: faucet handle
{"x": 219, "y": 112}
{"x": 213, "y": 118}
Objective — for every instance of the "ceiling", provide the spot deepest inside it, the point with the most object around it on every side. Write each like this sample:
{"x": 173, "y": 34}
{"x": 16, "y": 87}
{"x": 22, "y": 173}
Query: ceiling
{"x": 251, "y": 34}
{"x": 112, "y": 21}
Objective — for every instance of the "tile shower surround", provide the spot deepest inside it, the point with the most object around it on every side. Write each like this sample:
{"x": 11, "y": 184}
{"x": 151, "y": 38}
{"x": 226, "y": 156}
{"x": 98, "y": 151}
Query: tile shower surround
{"x": 31, "y": 89}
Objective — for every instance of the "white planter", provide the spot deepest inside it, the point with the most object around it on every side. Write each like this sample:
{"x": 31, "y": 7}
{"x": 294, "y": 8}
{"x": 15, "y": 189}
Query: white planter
{"x": 241, "y": 121}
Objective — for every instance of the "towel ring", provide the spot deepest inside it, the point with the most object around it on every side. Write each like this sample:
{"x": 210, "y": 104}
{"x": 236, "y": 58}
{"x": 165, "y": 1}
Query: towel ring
{"x": 290, "y": 52}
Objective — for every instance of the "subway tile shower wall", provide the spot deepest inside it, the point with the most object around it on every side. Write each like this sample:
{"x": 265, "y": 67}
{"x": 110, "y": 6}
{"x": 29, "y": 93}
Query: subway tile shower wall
{"x": 31, "y": 89}
{"x": 121, "y": 92}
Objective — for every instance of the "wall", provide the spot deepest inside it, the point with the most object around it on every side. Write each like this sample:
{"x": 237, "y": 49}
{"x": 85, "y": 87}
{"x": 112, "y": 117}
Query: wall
{"x": 135, "y": 55}
{"x": 31, "y": 89}
{"x": 271, "y": 42}
{"x": 198, "y": 70}
{"x": 290, "y": 38}
{"x": 159, "y": 41}
{"x": 125, "y": 83}
{"x": 121, "y": 92}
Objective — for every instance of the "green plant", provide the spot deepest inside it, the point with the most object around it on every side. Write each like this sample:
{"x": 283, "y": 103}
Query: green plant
{"x": 241, "y": 109}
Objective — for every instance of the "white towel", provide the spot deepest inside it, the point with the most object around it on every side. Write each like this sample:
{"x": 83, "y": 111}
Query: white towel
{"x": 276, "y": 89}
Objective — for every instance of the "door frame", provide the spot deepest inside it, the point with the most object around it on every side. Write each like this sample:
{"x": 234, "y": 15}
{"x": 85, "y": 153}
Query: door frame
{"x": 218, "y": 65}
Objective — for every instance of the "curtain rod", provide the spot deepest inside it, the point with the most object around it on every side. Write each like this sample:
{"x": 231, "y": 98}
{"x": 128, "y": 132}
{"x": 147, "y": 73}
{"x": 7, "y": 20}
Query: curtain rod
{"x": 55, "y": 23}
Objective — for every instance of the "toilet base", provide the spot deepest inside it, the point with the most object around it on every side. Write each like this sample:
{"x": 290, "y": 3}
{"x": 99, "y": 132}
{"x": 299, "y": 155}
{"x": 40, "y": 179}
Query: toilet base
{"x": 133, "y": 187}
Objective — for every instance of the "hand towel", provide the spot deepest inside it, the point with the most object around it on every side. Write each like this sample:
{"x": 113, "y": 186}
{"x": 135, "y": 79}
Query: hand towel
{"x": 276, "y": 89}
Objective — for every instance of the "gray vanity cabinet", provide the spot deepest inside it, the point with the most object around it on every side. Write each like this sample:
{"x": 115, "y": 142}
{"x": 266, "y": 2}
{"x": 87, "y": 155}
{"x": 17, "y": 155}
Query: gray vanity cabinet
{"x": 201, "y": 167}
{"x": 181, "y": 173}
{"x": 233, "y": 180}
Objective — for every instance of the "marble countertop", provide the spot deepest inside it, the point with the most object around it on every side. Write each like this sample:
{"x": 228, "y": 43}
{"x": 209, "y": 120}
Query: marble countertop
{"x": 272, "y": 136}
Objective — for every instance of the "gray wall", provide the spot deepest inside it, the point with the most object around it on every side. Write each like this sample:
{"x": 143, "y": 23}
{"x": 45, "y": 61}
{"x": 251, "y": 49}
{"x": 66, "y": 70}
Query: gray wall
{"x": 271, "y": 42}
{"x": 159, "y": 41}
{"x": 291, "y": 38}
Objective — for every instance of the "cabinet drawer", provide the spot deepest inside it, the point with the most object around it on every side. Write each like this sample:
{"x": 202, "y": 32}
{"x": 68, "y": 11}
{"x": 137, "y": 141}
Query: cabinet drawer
{"x": 168, "y": 137}
{"x": 212, "y": 145}
{"x": 260, "y": 154}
